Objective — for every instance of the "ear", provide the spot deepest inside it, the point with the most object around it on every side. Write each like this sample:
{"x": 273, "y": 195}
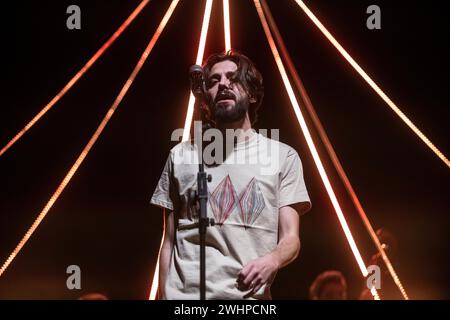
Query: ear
{"x": 252, "y": 100}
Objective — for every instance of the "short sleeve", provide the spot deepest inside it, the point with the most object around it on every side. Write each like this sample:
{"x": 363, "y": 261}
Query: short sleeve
{"x": 293, "y": 190}
{"x": 165, "y": 195}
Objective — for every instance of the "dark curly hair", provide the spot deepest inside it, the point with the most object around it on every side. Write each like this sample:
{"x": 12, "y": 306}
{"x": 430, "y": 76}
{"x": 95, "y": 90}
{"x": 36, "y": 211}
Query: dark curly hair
{"x": 247, "y": 75}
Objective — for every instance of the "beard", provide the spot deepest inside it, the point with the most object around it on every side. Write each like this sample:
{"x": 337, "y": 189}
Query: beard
{"x": 227, "y": 114}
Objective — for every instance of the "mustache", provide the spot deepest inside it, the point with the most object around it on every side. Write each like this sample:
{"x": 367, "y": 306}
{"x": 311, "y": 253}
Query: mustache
{"x": 225, "y": 95}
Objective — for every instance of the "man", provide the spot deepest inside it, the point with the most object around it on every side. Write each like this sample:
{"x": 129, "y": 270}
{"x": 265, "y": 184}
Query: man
{"x": 329, "y": 285}
{"x": 256, "y": 209}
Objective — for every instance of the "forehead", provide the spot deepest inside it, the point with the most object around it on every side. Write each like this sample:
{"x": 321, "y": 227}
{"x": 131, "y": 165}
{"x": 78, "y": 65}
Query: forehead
{"x": 223, "y": 67}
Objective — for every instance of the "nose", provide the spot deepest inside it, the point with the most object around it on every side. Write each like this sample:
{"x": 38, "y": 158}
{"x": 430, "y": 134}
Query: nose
{"x": 224, "y": 83}
{"x": 222, "y": 87}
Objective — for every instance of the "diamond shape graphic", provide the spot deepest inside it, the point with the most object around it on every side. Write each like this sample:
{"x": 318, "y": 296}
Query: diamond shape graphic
{"x": 251, "y": 203}
{"x": 223, "y": 200}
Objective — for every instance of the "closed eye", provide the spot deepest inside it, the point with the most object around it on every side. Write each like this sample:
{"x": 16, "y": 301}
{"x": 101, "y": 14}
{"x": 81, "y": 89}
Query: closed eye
{"x": 212, "y": 81}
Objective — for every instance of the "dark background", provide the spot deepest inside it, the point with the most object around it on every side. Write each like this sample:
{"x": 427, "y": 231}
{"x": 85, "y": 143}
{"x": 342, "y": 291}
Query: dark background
{"x": 103, "y": 221}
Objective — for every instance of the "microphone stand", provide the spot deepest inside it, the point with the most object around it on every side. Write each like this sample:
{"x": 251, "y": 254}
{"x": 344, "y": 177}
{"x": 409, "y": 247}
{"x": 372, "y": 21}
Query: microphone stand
{"x": 201, "y": 196}
{"x": 203, "y": 223}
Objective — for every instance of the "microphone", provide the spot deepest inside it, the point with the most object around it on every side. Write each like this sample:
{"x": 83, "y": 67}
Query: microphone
{"x": 198, "y": 88}
{"x": 197, "y": 80}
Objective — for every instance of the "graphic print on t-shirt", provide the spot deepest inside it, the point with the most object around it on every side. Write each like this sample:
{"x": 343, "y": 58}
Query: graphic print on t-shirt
{"x": 224, "y": 199}
{"x": 251, "y": 203}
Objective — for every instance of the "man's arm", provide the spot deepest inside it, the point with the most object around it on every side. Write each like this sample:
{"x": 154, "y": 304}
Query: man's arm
{"x": 259, "y": 271}
{"x": 166, "y": 250}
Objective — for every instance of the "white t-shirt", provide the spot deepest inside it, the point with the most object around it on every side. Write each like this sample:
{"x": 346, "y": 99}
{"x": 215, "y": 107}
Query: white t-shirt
{"x": 258, "y": 177}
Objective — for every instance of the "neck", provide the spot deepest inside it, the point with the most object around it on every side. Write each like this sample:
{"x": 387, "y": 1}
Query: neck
{"x": 243, "y": 124}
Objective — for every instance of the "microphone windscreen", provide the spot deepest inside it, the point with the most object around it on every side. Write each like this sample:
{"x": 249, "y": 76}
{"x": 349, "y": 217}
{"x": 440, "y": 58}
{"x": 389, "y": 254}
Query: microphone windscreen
{"x": 196, "y": 77}
{"x": 195, "y": 69}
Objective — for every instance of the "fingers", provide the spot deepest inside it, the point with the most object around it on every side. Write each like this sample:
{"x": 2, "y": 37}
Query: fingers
{"x": 253, "y": 281}
{"x": 246, "y": 276}
{"x": 245, "y": 271}
{"x": 250, "y": 279}
{"x": 257, "y": 287}
{"x": 256, "y": 283}
{"x": 248, "y": 282}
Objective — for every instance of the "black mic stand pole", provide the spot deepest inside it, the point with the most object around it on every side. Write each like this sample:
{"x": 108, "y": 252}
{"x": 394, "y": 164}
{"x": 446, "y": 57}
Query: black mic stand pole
{"x": 201, "y": 195}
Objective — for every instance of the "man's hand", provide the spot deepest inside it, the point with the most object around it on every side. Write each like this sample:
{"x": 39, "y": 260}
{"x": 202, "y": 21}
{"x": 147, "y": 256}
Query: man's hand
{"x": 258, "y": 272}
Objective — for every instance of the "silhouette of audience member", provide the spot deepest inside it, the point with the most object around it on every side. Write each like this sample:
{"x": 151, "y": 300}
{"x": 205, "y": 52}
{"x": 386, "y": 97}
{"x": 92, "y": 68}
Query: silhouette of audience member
{"x": 93, "y": 296}
{"x": 329, "y": 285}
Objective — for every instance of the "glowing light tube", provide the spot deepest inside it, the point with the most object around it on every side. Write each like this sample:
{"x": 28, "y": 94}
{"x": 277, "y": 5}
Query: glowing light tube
{"x": 77, "y": 76}
{"x": 93, "y": 139}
